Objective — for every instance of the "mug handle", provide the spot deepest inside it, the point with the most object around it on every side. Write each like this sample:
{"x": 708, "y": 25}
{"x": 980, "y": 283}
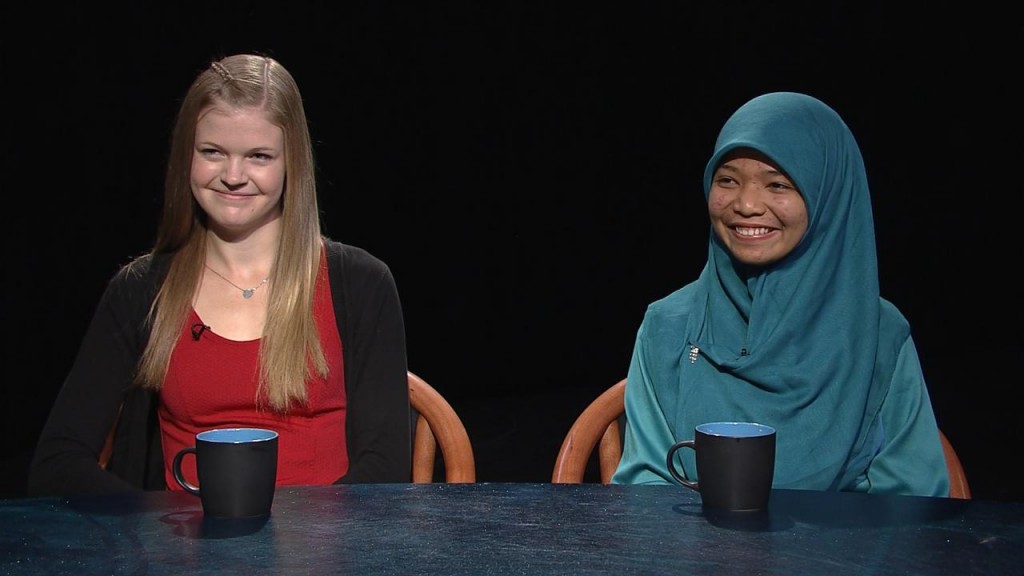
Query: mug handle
{"x": 176, "y": 467}
{"x": 670, "y": 463}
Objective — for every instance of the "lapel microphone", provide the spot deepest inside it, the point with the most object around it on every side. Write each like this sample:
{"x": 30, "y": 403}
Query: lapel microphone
{"x": 198, "y": 329}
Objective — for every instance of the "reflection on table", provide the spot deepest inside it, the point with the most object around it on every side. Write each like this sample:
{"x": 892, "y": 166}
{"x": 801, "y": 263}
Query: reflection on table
{"x": 511, "y": 528}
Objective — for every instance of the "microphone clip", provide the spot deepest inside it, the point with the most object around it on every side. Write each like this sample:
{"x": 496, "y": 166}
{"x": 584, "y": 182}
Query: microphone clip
{"x": 197, "y": 330}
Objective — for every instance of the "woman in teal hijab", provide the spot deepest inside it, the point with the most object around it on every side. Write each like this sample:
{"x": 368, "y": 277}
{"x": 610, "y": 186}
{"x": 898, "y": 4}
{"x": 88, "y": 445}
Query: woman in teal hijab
{"x": 785, "y": 325}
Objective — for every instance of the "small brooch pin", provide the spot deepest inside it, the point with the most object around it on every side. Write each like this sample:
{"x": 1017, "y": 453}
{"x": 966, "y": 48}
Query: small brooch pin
{"x": 693, "y": 354}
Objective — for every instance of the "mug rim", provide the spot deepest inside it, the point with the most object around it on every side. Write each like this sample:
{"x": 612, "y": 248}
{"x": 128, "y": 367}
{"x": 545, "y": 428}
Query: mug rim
{"x": 736, "y": 429}
{"x": 235, "y": 435}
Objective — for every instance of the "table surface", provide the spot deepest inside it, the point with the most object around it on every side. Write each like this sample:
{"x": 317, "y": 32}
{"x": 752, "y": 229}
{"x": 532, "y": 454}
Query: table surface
{"x": 513, "y": 528}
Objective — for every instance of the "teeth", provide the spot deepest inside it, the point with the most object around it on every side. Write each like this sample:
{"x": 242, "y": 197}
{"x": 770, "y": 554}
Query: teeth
{"x": 752, "y": 231}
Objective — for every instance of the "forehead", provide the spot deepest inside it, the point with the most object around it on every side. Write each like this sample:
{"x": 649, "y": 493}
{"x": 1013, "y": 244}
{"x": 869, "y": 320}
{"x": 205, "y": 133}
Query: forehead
{"x": 749, "y": 154}
{"x": 238, "y": 125}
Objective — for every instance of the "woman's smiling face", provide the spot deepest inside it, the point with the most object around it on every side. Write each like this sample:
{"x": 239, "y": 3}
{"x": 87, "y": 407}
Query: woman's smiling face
{"x": 756, "y": 210}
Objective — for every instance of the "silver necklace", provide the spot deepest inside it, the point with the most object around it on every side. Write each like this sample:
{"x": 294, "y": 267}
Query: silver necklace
{"x": 246, "y": 292}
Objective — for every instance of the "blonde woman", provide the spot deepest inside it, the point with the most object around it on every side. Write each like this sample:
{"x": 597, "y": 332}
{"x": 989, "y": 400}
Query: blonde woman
{"x": 242, "y": 314}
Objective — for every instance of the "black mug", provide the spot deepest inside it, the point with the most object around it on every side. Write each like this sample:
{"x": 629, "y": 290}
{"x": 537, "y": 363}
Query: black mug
{"x": 735, "y": 465}
{"x": 236, "y": 470}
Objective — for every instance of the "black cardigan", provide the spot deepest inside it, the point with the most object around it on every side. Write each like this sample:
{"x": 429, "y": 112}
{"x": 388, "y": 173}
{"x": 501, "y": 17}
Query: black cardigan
{"x": 369, "y": 317}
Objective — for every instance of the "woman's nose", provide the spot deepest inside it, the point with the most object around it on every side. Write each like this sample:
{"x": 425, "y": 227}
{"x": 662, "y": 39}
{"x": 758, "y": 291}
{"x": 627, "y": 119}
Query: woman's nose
{"x": 234, "y": 173}
{"x": 748, "y": 199}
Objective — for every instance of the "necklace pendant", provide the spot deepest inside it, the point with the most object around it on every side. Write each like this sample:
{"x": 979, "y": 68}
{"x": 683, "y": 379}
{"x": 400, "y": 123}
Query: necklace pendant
{"x": 248, "y": 292}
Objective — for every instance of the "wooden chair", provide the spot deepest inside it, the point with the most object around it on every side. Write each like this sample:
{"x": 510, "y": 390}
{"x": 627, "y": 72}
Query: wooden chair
{"x": 958, "y": 487}
{"x": 437, "y": 424}
{"x": 598, "y": 426}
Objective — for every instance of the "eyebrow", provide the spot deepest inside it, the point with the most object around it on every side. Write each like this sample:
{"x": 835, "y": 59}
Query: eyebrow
{"x": 200, "y": 143}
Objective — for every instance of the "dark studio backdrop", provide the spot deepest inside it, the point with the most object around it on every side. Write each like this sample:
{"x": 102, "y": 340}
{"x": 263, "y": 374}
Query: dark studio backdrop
{"x": 532, "y": 174}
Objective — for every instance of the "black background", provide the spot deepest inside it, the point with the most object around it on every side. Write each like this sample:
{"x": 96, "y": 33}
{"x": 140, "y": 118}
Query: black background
{"x": 531, "y": 173}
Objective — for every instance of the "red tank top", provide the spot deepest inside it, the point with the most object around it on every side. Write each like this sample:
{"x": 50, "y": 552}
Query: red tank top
{"x": 211, "y": 383}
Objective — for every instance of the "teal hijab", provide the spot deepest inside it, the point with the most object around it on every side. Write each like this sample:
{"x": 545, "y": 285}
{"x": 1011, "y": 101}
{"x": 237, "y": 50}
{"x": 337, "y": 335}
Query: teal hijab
{"x": 794, "y": 344}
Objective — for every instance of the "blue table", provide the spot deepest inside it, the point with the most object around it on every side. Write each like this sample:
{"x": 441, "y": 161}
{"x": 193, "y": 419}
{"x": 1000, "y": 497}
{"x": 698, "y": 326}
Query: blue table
{"x": 511, "y": 528}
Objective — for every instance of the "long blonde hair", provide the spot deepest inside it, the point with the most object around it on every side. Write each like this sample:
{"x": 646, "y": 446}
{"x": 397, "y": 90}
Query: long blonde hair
{"x": 290, "y": 348}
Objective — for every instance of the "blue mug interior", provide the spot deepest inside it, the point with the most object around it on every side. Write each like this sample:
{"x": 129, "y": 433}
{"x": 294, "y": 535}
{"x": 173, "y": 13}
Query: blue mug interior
{"x": 735, "y": 429}
{"x": 236, "y": 435}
